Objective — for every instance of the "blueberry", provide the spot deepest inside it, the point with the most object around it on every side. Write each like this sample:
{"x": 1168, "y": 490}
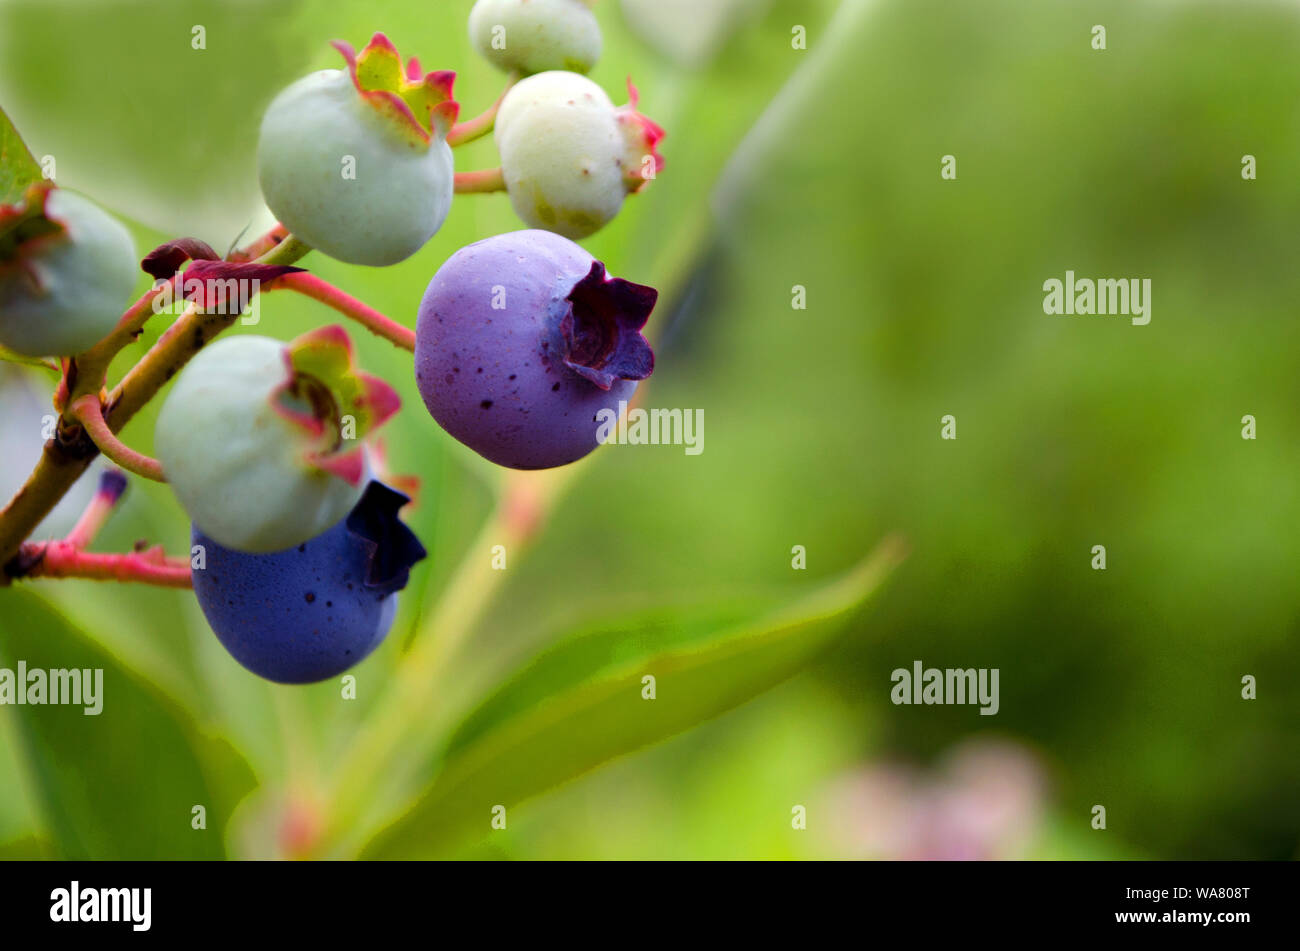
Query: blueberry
{"x": 569, "y": 157}
{"x": 310, "y": 612}
{"x": 534, "y": 35}
{"x": 558, "y": 341}
{"x": 355, "y": 162}
{"x": 66, "y": 271}
{"x": 261, "y": 441}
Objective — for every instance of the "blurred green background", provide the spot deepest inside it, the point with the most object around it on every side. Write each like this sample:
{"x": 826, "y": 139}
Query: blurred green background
{"x": 817, "y": 167}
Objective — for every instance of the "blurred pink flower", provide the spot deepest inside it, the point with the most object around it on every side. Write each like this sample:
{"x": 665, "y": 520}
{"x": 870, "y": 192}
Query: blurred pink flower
{"x": 982, "y": 801}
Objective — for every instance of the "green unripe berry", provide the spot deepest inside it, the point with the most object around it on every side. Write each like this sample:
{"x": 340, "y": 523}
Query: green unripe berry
{"x": 355, "y": 162}
{"x": 260, "y": 440}
{"x": 531, "y": 36}
{"x": 568, "y": 156}
{"x": 63, "y": 289}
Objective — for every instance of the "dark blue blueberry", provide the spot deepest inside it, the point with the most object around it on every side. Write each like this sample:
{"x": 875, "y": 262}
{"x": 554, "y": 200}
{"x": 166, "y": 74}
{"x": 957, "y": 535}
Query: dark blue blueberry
{"x": 310, "y": 612}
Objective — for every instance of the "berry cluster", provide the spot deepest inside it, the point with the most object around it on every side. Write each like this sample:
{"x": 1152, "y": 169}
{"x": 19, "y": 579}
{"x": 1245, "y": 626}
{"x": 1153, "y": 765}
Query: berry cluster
{"x": 521, "y": 339}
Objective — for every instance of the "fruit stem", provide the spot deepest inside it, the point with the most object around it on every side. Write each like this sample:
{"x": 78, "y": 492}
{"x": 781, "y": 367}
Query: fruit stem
{"x": 112, "y": 483}
{"x": 482, "y": 124}
{"x": 69, "y": 452}
{"x": 326, "y": 293}
{"x": 63, "y": 559}
{"x": 480, "y": 181}
{"x": 88, "y": 411}
{"x": 87, "y": 371}
{"x": 415, "y": 708}
{"x": 260, "y": 246}
{"x": 288, "y": 251}
{"x": 415, "y": 705}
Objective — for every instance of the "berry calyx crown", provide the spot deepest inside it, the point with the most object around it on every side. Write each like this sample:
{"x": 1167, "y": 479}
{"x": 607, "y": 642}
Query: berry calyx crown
{"x": 420, "y": 104}
{"x": 27, "y": 225}
{"x": 391, "y": 547}
{"x": 601, "y": 329}
{"x": 330, "y": 404}
{"x": 642, "y": 135}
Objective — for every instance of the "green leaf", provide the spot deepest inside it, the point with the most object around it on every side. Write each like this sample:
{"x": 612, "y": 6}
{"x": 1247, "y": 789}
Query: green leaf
{"x": 25, "y": 849}
{"x": 580, "y": 703}
{"x": 120, "y": 784}
{"x": 17, "y": 167}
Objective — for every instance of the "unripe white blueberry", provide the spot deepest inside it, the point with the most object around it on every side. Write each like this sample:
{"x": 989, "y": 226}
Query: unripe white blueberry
{"x": 555, "y": 87}
{"x": 253, "y": 439}
{"x": 531, "y": 36}
{"x": 355, "y": 162}
{"x": 64, "y": 289}
{"x": 568, "y": 155}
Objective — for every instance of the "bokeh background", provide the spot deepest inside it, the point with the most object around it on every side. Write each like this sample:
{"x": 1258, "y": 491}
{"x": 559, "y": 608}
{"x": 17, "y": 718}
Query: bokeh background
{"x": 816, "y": 167}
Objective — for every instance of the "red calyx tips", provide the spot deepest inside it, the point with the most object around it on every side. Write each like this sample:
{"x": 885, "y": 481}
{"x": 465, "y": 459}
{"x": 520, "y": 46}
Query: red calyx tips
{"x": 423, "y": 105}
{"x": 643, "y": 136}
{"x": 27, "y": 224}
{"x": 332, "y": 403}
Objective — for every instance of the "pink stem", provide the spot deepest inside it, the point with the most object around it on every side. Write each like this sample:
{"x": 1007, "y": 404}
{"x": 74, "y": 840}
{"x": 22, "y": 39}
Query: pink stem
{"x": 482, "y": 180}
{"x": 482, "y": 124}
{"x": 95, "y": 361}
{"x": 112, "y": 484}
{"x": 88, "y": 411}
{"x": 326, "y": 293}
{"x": 63, "y": 559}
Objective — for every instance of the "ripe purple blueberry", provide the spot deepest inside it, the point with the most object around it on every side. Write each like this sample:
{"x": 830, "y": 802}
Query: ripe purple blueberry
{"x": 311, "y": 612}
{"x": 522, "y": 339}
